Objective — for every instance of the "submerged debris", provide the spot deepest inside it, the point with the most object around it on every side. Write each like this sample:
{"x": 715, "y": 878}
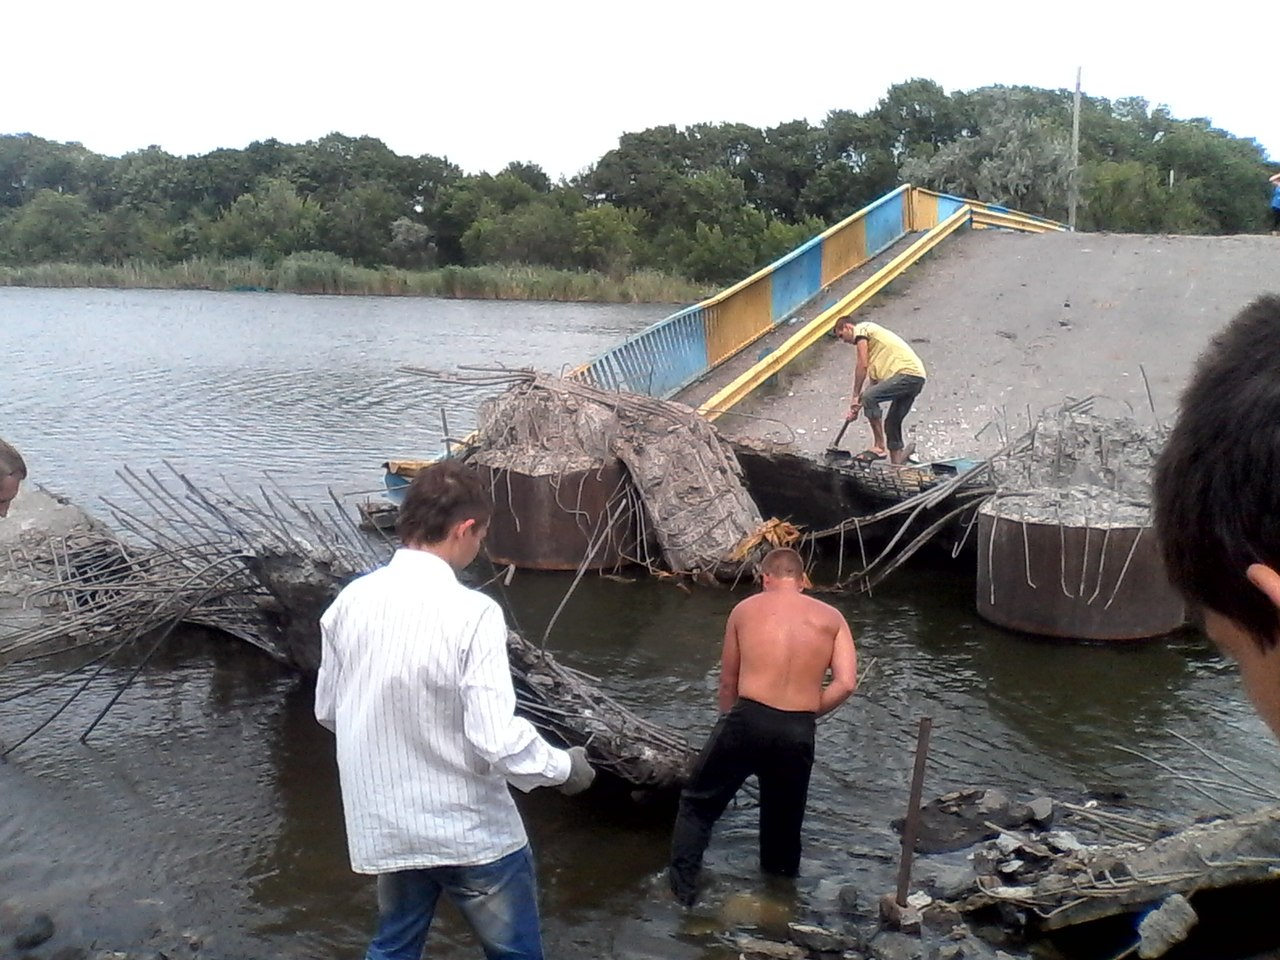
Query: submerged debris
{"x": 1066, "y": 545}
{"x": 1082, "y": 505}
{"x": 685, "y": 485}
{"x": 1046, "y": 865}
{"x": 94, "y": 587}
{"x": 1166, "y": 926}
{"x": 264, "y": 569}
{"x": 560, "y": 701}
{"x": 1071, "y": 446}
{"x": 1058, "y": 888}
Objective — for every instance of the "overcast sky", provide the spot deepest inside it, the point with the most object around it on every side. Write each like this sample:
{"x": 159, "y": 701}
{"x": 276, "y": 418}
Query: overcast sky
{"x": 556, "y": 82}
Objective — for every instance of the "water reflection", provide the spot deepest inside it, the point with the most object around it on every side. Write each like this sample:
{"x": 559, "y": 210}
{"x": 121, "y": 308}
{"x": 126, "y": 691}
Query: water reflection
{"x": 310, "y": 842}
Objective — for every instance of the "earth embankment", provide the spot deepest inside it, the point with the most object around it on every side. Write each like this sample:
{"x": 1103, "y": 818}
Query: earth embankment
{"x": 1011, "y": 323}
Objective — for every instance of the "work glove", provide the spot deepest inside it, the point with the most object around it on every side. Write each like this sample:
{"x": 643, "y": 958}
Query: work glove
{"x": 580, "y": 773}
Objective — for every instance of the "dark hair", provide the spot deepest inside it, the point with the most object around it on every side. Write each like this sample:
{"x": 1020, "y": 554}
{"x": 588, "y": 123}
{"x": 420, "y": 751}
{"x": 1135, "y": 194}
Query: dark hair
{"x": 845, "y": 321}
{"x": 783, "y": 562}
{"x": 11, "y": 462}
{"x": 1217, "y": 482}
{"x": 440, "y": 497}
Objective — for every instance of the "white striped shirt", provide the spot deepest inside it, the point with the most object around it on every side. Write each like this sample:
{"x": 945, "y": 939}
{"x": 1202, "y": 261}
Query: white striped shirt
{"x": 416, "y": 684}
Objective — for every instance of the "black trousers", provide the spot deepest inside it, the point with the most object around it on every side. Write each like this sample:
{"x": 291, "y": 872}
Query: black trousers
{"x": 774, "y": 745}
{"x": 900, "y": 391}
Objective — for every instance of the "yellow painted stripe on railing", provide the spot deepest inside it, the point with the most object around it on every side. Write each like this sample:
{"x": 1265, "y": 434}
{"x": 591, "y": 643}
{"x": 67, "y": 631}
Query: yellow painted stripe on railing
{"x": 926, "y": 197}
{"x": 1015, "y": 221}
{"x": 736, "y": 320}
{"x": 739, "y": 315}
{"x": 812, "y": 331}
{"x": 855, "y": 217}
{"x": 843, "y": 251}
{"x": 924, "y": 209}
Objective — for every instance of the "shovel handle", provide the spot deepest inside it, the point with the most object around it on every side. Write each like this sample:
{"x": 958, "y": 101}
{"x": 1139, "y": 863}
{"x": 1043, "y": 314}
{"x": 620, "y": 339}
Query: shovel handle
{"x": 840, "y": 435}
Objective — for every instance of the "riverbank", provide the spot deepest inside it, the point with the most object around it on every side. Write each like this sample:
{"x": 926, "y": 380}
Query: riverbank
{"x": 141, "y": 929}
{"x": 326, "y": 273}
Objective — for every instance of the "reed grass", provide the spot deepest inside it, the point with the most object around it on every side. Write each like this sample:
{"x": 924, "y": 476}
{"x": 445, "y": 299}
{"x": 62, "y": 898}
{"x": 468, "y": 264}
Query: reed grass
{"x": 327, "y": 273}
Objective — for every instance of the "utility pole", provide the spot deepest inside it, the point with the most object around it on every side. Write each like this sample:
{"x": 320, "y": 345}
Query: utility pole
{"x": 1073, "y": 189}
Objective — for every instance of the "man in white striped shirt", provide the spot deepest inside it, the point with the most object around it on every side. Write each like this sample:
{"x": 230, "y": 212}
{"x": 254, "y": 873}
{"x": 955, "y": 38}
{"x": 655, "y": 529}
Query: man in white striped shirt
{"x": 415, "y": 682}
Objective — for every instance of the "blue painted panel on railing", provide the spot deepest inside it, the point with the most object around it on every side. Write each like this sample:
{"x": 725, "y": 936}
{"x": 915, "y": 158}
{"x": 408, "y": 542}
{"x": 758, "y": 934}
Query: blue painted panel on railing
{"x": 658, "y": 360}
{"x": 947, "y": 205}
{"x": 797, "y": 279}
{"x": 885, "y": 224}
{"x": 672, "y": 353}
{"x": 682, "y": 347}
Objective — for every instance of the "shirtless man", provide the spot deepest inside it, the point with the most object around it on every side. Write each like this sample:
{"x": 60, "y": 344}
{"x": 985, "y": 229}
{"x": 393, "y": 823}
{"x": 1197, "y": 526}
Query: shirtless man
{"x": 778, "y": 647}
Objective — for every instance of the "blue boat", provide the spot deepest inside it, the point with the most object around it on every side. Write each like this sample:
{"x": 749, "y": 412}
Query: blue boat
{"x": 397, "y": 476}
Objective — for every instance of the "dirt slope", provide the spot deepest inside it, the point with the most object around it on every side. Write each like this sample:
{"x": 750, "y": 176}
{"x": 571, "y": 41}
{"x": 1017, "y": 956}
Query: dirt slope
{"x": 1006, "y": 322}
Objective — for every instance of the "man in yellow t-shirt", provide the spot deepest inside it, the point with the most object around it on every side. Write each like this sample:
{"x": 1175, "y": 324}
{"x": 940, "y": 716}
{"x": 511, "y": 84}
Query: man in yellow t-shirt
{"x": 887, "y": 371}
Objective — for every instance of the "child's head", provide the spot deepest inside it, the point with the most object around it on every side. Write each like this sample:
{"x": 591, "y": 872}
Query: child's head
{"x": 1217, "y": 497}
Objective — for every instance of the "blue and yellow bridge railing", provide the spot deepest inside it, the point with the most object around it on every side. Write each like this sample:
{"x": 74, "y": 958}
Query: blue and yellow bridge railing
{"x": 662, "y": 359}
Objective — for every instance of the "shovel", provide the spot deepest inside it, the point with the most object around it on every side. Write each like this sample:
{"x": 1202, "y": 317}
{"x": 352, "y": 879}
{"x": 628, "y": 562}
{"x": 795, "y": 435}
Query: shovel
{"x": 834, "y": 452}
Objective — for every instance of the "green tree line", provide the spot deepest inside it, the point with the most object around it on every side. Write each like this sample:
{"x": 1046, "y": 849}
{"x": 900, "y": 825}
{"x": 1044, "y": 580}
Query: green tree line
{"x": 709, "y": 202}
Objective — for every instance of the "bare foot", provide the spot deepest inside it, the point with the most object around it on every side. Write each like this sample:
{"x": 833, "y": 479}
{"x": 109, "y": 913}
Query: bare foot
{"x": 902, "y": 456}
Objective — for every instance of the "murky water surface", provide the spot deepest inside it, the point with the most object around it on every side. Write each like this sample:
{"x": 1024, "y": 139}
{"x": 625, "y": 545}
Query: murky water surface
{"x": 207, "y": 798}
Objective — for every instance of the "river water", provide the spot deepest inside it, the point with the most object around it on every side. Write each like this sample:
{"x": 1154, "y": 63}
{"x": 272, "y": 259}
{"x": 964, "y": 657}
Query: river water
{"x": 207, "y": 800}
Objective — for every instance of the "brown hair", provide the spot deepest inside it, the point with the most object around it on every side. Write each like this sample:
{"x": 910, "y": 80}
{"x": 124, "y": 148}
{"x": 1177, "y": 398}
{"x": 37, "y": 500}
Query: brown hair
{"x": 845, "y": 321}
{"x": 11, "y": 462}
{"x": 783, "y": 563}
{"x": 440, "y": 497}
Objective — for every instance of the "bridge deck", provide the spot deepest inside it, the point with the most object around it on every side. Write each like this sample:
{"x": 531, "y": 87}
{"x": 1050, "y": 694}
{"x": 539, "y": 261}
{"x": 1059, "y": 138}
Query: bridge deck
{"x": 1008, "y": 322}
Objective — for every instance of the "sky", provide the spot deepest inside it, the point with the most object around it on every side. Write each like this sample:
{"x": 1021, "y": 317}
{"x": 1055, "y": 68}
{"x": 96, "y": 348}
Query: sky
{"x": 557, "y": 82}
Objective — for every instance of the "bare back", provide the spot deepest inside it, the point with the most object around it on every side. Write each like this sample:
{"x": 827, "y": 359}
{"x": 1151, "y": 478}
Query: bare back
{"x": 779, "y": 645}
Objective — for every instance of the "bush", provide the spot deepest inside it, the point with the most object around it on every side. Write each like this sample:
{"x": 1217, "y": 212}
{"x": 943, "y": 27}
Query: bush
{"x": 316, "y": 271}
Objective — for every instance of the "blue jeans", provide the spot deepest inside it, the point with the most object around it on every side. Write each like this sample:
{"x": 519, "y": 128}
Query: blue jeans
{"x": 900, "y": 391}
{"x": 499, "y": 900}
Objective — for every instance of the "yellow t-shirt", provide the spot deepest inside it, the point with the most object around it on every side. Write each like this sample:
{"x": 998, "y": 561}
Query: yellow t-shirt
{"x": 887, "y": 353}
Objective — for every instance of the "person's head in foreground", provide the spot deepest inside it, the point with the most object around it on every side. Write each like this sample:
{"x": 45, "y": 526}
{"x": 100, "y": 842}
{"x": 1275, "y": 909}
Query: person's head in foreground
{"x": 446, "y": 512}
{"x": 1217, "y": 498}
{"x": 13, "y": 470}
